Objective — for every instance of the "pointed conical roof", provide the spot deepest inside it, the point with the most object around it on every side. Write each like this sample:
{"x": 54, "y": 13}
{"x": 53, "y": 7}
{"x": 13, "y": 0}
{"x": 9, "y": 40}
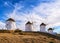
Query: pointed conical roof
{"x": 50, "y": 29}
{"x": 28, "y": 22}
{"x": 42, "y": 24}
{"x": 10, "y": 19}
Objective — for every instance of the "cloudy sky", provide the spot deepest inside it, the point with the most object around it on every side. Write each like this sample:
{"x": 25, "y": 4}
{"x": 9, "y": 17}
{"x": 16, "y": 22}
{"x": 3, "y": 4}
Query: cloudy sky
{"x": 36, "y": 11}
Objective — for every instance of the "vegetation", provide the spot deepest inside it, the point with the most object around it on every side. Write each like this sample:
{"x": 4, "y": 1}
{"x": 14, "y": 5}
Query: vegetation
{"x": 58, "y": 35}
{"x": 4, "y": 31}
{"x": 18, "y": 36}
{"x": 17, "y": 30}
{"x": 51, "y": 42}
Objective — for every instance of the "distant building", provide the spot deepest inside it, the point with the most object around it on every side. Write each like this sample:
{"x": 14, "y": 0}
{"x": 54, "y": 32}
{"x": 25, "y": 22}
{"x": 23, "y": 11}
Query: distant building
{"x": 42, "y": 27}
{"x": 10, "y": 24}
{"x": 50, "y": 30}
{"x": 28, "y": 26}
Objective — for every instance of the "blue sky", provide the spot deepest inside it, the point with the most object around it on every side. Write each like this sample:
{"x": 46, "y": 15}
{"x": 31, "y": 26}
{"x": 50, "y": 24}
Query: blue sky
{"x": 37, "y": 11}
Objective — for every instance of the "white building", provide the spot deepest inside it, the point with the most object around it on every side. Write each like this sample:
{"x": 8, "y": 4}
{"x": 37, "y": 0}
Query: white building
{"x": 28, "y": 26}
{"x": 42, "y": 27}
{"x": 10, "y": 24}
{"x": 50, "y": 30}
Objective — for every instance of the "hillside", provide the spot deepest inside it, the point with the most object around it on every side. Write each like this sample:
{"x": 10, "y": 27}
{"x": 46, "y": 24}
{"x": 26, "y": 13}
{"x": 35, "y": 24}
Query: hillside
{"x": 28, "y": 37}
{"x": 58, "y": 34}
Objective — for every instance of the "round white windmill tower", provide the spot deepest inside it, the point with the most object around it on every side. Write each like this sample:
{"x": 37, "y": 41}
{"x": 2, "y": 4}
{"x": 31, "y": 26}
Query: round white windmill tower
{"x": 50, "y": 30}
{"x": 10, "y": 24}
{"x": 28, "y": 26}
{"x": 42, "y": 27}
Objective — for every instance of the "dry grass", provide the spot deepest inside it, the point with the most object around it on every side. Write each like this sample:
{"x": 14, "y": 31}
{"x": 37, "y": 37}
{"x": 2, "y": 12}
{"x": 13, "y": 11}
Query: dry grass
{"x": 58, "y": 35}
{"x": 26, "y": 37}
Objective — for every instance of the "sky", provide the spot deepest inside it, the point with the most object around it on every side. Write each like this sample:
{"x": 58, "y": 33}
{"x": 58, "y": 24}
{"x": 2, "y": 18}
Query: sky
{"x": 36, "y": 11}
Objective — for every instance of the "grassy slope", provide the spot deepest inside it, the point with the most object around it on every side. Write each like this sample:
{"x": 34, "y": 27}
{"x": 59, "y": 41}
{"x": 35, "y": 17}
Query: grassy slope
{"x": 27, "y": 38}
{"x": 58, "y": 34}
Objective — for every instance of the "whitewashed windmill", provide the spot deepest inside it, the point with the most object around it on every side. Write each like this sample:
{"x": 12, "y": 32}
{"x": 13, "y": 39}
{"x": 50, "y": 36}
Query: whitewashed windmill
{"x": 50, "y": 30}
{"x": 42, "y": 27}
{"x": 28, "y": 26}
{"x": 10, "y": 24}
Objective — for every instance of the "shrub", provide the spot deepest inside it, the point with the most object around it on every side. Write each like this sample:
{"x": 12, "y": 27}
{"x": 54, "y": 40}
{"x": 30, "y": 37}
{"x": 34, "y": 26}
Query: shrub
{"x": 17, "y": 30}
{"x": 51, "y": 42}
{"x": 44, "y": 38}
{"x": 4, "y": 31}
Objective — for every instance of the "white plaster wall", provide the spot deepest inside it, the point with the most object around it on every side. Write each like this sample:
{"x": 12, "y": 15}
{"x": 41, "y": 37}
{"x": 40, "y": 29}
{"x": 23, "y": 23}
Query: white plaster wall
{"x": 28, "y": 27}
{"x": 42, "y": 29}
{"x": 10, "y": 25}
{"x": 50, "y": 31}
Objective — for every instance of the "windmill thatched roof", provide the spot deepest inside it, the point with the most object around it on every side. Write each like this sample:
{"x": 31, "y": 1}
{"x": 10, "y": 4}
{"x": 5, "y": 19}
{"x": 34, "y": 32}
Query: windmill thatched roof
{"x": 28, "y": 22}
{"x": 50, "y": 29}
{"x": 42, "y": 24}
{"x": 10, "y": 19}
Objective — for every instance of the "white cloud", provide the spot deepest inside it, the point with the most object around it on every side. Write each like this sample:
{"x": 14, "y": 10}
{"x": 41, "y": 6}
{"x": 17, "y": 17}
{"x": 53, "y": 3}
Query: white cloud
{"x": 44, "y": 12}
{"x": 5, "y": 3}
{"x": 23, "y": 17}
{"x": 51, "y": 11}
{"x": 2, "y": 25}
